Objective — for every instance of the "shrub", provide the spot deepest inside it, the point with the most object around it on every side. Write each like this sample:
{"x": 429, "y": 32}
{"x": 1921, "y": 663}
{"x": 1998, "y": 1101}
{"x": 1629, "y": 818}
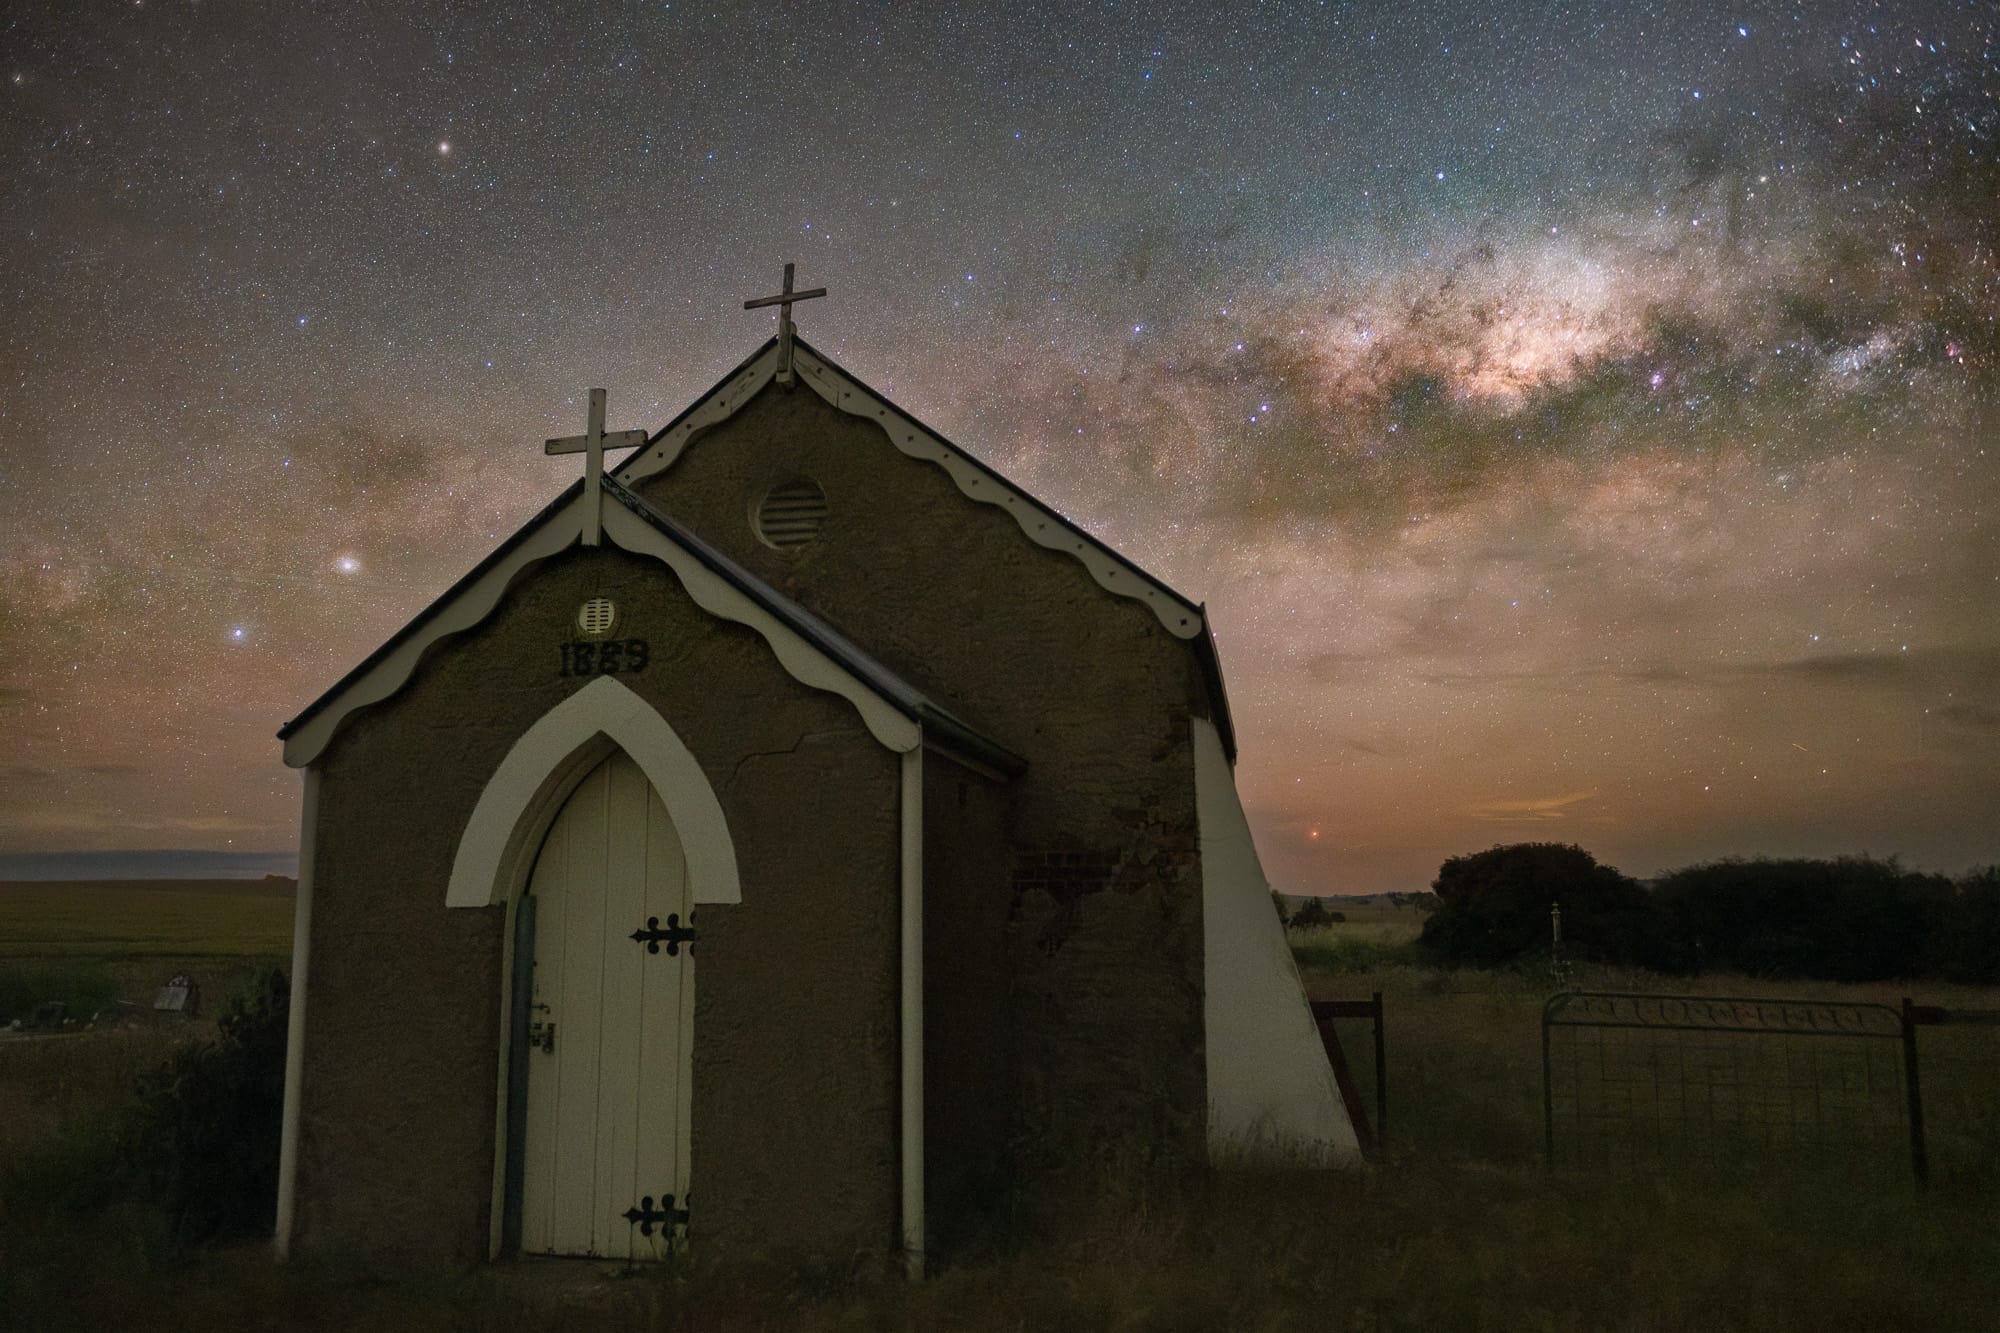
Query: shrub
{"x": 1849, "y": 919}
{"x": 85, "y": 987}
{"x": 1965, "y": 938}
{"x": 1493, "y": 907}
{"x": 203, "y": 1140}
{"x": 1314, "y": 913}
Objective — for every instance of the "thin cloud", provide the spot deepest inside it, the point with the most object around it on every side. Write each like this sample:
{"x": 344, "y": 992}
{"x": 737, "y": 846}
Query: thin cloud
{"x": 1529, "y": 810}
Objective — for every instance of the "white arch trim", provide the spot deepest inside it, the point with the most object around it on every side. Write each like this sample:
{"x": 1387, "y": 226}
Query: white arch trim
{"x": 548, "y": 760}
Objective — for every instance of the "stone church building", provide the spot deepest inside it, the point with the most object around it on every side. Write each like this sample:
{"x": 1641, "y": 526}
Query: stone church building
{"x": 785, "y": 840}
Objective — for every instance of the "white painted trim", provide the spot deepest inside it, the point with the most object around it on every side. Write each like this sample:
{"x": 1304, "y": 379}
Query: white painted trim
{"x": 473, "y": 605}
{"x": 295, "y": 1020}
{"x": 710, "y": 591}
{"x": 1271, "y": 1092}
{"x": 550, "y": 757}
{"x": 912, "y": 940}
{"x": 801, "y": 660}
{"x": 911, "y": 437}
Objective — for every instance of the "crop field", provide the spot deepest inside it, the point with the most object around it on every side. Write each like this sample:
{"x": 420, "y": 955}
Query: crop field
{"x": 1460, "y": 1226}
{"x": 128, "y": 918}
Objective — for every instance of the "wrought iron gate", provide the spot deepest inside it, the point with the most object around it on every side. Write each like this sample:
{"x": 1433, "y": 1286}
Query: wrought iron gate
{"x": 1730, "y": 1084}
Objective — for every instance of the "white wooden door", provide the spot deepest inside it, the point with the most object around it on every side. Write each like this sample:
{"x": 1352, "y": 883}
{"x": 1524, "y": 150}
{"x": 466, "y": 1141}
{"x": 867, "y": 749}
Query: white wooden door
{"x": 605, "y": 1145}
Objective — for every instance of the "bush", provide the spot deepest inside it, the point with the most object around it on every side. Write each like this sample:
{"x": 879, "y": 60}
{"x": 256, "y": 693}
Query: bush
{"x": 1493, "y": 907}
{"x": 1850, "y": 919}
{"x": 203, "y": 1140}
{"x": 85, "y": 987}
{"x": 1313, "y": 914}
{"x": 1965, "y": 941}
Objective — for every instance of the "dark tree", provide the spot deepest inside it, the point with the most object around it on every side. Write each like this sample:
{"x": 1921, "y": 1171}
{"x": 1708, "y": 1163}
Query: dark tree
{"x": 1849, "y": 919}
{"x": 1493, "y": 907}
{"x": 1965, "y": 944}
{"x": 1314, "y": 913}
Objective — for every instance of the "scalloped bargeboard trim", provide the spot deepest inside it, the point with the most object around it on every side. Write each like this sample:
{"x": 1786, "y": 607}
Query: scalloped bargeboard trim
{"x": 1041, "y": 524}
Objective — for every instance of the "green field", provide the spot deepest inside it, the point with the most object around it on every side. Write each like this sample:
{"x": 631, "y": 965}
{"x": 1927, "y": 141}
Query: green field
{"x": 1459, "y": 1227}
{"x": 99, "y": 945}
{"x": 146, "y": 918}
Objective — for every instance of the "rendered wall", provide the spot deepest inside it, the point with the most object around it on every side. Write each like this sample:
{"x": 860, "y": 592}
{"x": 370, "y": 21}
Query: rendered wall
{"x": 795, "y": 1023}
{"x": 1271, "y": 1093}
{"x": 1105, "y": 918}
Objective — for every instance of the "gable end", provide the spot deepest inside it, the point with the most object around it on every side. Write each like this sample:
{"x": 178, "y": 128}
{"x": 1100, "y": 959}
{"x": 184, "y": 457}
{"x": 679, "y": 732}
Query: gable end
{"x": 974, "y": 479}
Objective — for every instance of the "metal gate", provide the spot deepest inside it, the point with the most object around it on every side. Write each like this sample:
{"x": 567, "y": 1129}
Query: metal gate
{"x": 1734, "y": 1085}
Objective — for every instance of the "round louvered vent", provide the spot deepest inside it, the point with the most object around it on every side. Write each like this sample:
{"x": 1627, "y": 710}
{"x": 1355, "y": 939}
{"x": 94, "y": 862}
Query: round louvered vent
{"x": 790, "y": 514}
{"x": 596, "y": 617}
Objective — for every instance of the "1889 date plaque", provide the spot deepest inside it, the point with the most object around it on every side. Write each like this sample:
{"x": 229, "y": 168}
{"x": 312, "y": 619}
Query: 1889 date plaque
{"x": 604, "y": 657}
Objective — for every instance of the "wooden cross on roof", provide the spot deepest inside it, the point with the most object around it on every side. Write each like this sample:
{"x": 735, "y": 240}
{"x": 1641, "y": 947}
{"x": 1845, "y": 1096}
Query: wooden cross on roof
{"x": 592, "y": 444}
{"x": 783, "y": 300}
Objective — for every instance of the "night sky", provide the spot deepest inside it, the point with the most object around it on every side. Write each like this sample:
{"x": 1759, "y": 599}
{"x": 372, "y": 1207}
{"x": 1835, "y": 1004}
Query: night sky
{"x": 1583, "y": 421}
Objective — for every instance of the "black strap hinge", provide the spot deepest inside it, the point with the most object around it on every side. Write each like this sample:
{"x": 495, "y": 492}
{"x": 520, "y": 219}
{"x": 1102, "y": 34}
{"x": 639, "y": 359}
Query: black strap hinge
{"x": 673, "y": 934}
{"x": 646, "y": 1217}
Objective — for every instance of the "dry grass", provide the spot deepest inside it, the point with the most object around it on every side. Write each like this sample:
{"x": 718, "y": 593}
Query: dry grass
{"x": 1460, "y": 1229}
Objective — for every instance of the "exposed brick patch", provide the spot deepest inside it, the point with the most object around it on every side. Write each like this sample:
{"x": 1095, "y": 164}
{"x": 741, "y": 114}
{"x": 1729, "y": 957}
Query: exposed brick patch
{"x": 1065, "y": 876}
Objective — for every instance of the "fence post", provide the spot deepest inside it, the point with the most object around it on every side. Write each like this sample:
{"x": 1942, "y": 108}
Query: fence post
{"x": 1548, "y": 1093}
{"x": 1381, "y": 1079}
{"x": 1919, "y": 1157}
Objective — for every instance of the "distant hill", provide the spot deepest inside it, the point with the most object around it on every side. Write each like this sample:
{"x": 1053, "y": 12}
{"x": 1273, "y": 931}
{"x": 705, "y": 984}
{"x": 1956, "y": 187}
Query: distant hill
{"x": 148, "y": 864}
{"x": 283, "y": 886}
{"x": 1423, "y": 900}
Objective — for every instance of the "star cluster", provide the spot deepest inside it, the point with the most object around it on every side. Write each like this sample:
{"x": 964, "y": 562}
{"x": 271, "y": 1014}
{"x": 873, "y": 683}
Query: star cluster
{"x": 1580, "y": 418}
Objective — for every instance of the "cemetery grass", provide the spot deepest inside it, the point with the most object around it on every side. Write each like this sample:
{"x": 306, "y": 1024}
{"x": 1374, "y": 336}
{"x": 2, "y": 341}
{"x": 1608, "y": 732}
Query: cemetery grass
{"x": 1460, "y": 1228}
{"x": 106, "y": 946}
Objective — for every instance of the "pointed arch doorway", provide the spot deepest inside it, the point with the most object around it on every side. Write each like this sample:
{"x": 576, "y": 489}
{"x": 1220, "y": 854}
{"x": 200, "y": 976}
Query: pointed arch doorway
{"x": 603, "y": 1026}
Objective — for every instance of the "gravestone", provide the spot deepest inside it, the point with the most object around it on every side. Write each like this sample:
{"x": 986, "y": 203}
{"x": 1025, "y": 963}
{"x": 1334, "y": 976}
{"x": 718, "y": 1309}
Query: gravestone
{"x": 179, "y": 996}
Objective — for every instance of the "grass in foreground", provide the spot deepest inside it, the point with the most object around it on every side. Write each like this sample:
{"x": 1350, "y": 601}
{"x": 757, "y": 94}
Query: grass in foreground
{"x": 1413, "y": 1246}
{"x": 1461, "y": 1228}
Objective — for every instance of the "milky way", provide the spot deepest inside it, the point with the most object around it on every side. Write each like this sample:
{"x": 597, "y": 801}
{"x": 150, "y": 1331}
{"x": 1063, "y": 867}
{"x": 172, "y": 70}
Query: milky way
{"x": 1580, "y": 420}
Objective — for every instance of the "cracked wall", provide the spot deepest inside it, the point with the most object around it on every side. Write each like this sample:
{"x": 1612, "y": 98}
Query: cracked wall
{"x": 1104, "y": 994}
{"x": 795, "y": 1011}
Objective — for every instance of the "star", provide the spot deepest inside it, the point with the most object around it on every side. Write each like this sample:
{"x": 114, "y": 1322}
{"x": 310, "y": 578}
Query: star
{"x": 1707, "y": 363}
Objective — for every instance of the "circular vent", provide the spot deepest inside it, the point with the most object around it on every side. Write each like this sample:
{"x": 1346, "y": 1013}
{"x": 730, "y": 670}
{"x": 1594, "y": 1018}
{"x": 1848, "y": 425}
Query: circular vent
{"x": 596, "y": 617}
{"x": 791, "y": 513}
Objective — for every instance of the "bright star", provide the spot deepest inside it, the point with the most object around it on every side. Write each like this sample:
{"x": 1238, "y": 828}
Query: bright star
{"x": 347, "y": 564}
{"x": 444, "y": 148}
